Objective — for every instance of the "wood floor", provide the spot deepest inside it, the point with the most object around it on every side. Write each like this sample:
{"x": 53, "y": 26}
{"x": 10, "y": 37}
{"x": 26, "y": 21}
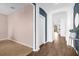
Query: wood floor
{"x": 11, "y": 48}
{"x": 56, "y": 48}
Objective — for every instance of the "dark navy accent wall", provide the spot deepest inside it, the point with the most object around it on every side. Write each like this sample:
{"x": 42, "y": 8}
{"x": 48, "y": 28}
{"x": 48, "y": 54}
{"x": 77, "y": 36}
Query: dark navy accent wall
{"x": 76, "y": 10}
{"x": 43, "y": 13}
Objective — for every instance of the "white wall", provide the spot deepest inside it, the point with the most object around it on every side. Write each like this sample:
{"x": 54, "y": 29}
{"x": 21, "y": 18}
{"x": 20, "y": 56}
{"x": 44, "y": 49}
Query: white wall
{"x": 3, "y": 26}
{"x": 20, "y": 25}
{"x": 69, "y": 25}
{"x": 50, "y": 29}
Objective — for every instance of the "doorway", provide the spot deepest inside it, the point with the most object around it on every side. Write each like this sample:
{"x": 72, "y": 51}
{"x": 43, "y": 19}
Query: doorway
{"x": 42, "y": 29}
{"x": 59, "y": 24}
{"x": 42, "y": 26}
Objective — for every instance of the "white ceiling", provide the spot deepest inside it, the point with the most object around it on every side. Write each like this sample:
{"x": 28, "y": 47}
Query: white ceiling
{"x": 53, "y": 6}
{"x": 5, "y": 8}
{"x": 8, "y": 8}
{"x": 57, "y": 17}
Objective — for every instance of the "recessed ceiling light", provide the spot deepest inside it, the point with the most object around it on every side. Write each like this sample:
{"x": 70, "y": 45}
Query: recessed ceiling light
{"x": 12, "y": 7}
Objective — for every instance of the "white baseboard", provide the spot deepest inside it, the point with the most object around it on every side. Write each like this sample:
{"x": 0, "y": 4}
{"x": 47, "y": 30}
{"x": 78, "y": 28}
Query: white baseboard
{"x": 3, "y": 39}
{"x": 36, "y": 49}
{"x": 20, "y": 43}
{"x": 75, "y": 50}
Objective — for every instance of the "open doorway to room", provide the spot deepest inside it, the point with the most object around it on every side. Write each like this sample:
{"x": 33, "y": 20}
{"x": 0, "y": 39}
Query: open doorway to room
{"x": 42, "y": 26}
{"x": 16, "y": 28}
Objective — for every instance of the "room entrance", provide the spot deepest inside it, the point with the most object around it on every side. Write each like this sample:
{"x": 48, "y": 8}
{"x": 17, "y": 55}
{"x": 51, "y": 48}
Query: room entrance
{"x": 59, "y": 24}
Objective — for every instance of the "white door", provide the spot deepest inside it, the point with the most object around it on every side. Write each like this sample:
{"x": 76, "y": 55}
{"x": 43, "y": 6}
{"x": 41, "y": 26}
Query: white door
{"x": 42, "y": 29}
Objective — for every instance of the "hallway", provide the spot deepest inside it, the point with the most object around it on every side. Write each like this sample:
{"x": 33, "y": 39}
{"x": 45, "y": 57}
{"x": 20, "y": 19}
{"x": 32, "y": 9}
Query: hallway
{"x": 56, "y": 48}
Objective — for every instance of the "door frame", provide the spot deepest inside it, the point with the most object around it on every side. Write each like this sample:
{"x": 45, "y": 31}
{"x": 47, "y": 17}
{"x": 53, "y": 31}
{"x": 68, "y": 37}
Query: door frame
{"x": 35, "y": 17}
{"x": 34, "y": 26}
{"x": 44, "y": 14}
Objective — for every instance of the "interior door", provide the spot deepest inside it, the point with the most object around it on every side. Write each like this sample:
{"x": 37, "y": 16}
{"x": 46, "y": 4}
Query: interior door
{"x": 42, "y": 29}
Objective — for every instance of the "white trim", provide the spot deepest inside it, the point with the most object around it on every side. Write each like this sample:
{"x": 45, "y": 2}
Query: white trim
{"x": 37, "y": 27}
{"x": 37, "y": 39}
{"x": 37, "y": 49}
{"x": 75, "y": 50}
{"x": 20, "y": 43}
{"x": 33, "y": 27}
{"x": 15, "y": 41}
{"x": 3, "y": 39}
